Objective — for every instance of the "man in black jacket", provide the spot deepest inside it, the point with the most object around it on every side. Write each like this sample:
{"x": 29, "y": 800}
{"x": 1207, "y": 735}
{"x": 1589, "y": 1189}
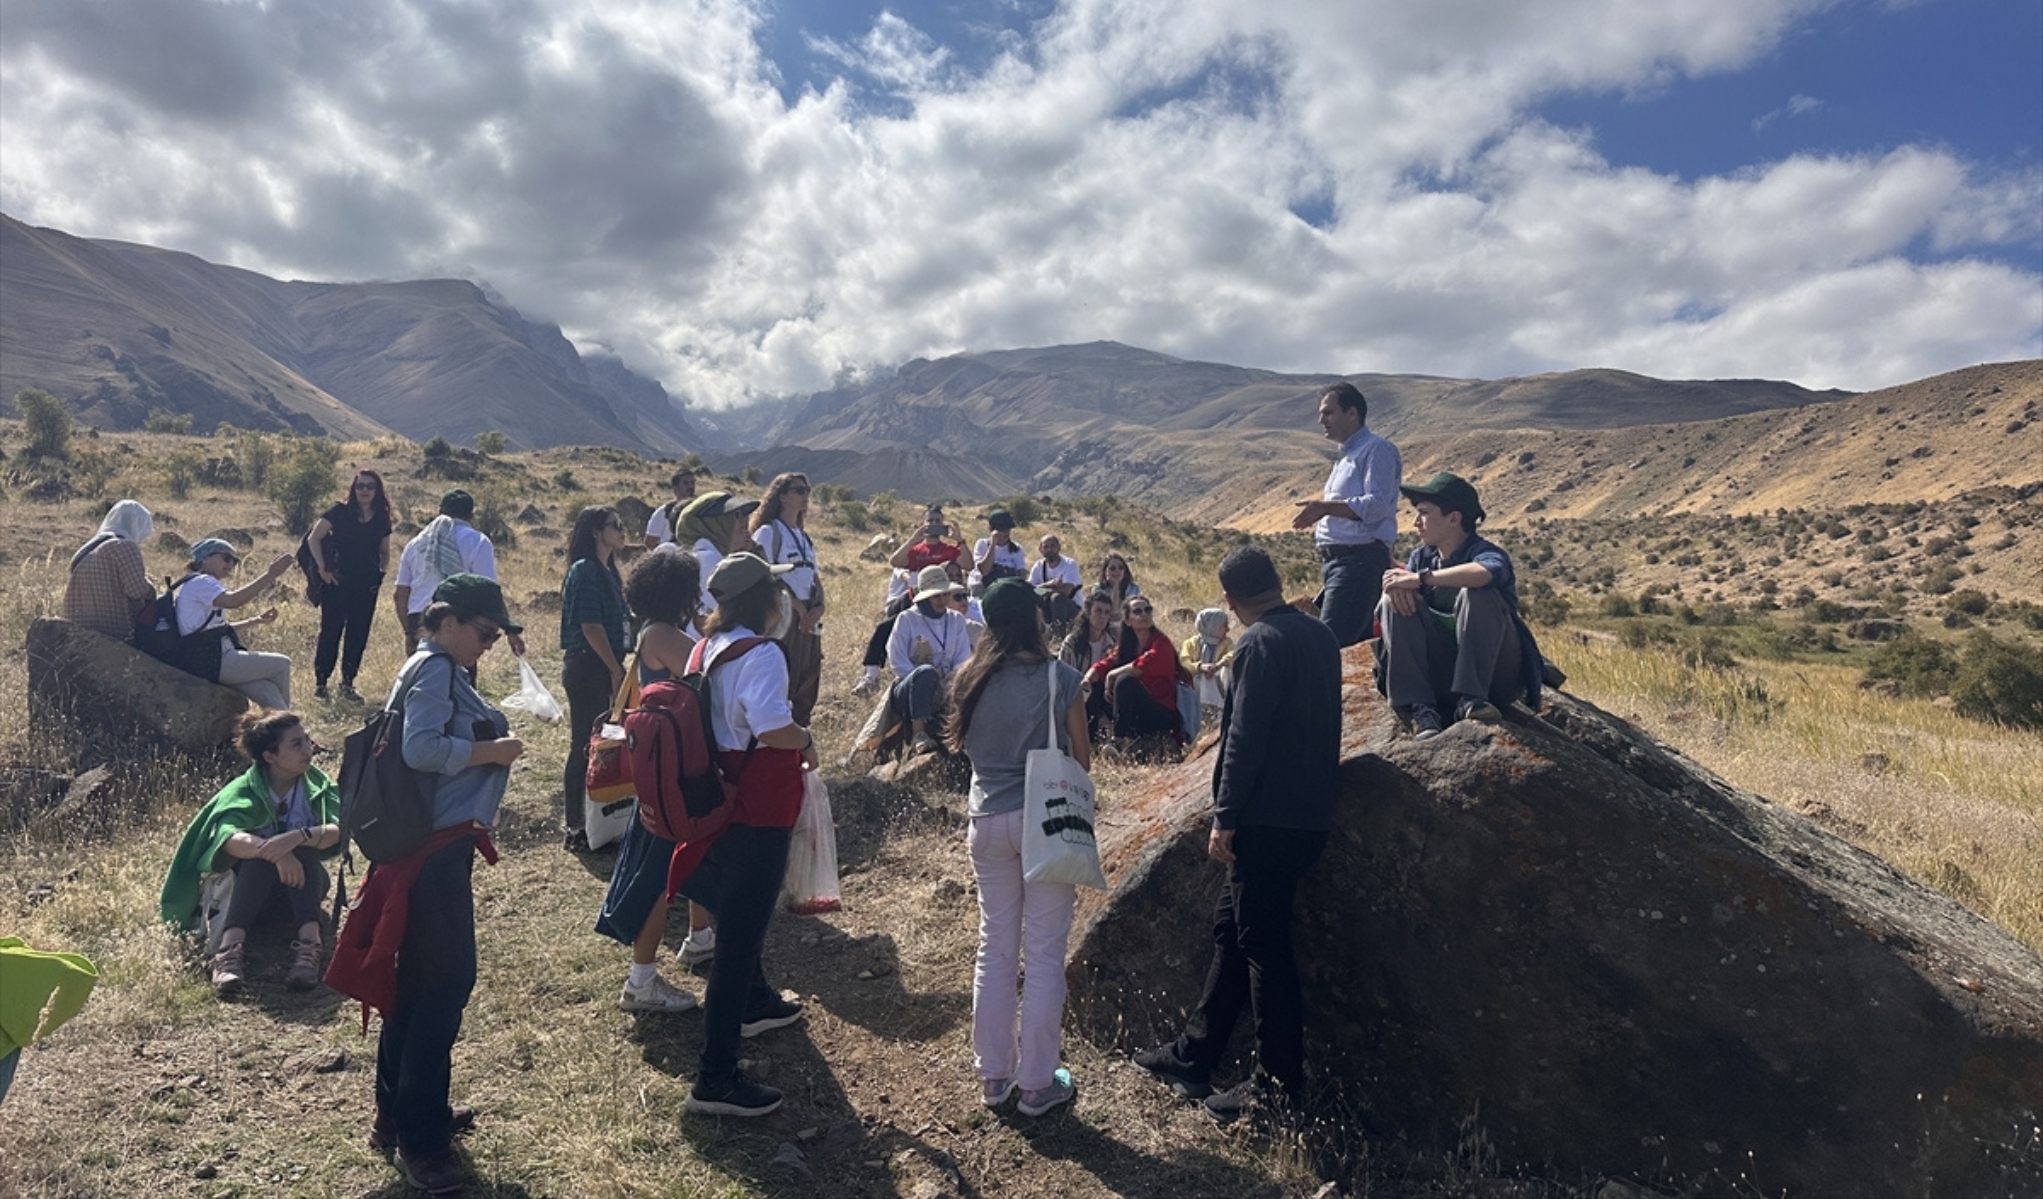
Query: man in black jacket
{"x": 1274, "y": 784}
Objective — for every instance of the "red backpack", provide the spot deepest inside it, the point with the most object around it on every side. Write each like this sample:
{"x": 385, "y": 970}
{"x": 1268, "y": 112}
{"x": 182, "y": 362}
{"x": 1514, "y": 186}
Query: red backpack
{"x": 682, "y": 795}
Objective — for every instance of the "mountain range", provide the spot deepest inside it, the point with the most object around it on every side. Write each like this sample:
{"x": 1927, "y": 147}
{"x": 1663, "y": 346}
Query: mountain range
{"x": 116, "y": 330}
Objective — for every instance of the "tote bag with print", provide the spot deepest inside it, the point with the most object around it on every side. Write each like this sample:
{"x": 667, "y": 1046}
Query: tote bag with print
{"x": 1058, "y": 843}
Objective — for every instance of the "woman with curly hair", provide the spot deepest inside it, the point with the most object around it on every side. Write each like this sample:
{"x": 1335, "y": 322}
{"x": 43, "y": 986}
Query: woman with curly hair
{"x": 592, "y": 647}
{"x": 351, "y": 544}
{"x": 271, "y": 827}
{"x": 777, "y": 530}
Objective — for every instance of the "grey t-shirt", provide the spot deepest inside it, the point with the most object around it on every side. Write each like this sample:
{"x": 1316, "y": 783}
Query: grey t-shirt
{"x": 1009, "y": 722}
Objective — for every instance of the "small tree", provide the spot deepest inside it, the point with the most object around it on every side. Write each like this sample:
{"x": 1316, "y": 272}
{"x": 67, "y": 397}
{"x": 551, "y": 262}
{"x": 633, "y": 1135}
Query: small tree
{"x": 491, "y": 442}
{"x": 46, "y": 422}
{"x": 163, "y": 420}
{"x": 256, "y": 454}
{"x": 181, "y": 468}
{"x": 751, "y": 475}
{"x": 302, "y": 481}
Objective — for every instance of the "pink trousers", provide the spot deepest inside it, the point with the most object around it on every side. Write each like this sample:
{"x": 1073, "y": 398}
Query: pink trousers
{"x": 1023, "y": 930}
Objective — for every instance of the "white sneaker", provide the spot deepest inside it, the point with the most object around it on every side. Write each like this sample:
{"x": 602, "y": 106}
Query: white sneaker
{"x": 699, "y": 947}
{"x": 864, "y": 686}
{"x": 659, "y": 996}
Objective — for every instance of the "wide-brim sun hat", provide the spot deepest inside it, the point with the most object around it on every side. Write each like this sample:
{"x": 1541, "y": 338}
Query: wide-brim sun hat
{"x": 930, "y": 582}
{"x": 741, "y": 572}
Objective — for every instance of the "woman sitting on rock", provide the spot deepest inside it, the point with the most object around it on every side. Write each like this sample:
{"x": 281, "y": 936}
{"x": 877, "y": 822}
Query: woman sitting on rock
{"x": 271, "y": 827}
{"x": 210, "y": 644}
{"x": 928, "y": 644}
{"x": 1005, "y": 708}
{"x": 109, "y": 583}
{"x": 1094, "y": 637}
{"x": 1138, "y": 682}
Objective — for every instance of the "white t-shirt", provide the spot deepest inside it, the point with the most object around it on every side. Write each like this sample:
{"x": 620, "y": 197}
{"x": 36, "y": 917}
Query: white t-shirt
{"x": 749, "y": 696}
{"x": 1066, "y": 571}
{"x": 478, "y": 557}
{"x": 900, "y": 583}
{"x": 659, "y": 527}
{"x": 1011, "y": 556}
{"x": 781, "y": 542}
{"x": 707, "y": 554}
{"x": 195, "y": 607}
{"x": 949, "y": 642}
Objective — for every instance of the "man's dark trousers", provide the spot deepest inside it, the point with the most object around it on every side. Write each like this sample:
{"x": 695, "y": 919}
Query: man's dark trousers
{"x": 1253, "y": 962}
{"x": 1350, "y": 585}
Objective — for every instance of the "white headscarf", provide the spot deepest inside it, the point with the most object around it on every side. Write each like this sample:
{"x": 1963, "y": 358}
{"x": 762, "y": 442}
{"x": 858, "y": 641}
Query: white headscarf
{"x": 126, "y": 520}
{"x": 441, "y": 550}
{"x": 1212, "y": 626}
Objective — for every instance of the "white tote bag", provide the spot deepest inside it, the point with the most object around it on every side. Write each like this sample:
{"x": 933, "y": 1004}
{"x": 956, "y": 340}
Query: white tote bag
{"x": 1058, "y": 844}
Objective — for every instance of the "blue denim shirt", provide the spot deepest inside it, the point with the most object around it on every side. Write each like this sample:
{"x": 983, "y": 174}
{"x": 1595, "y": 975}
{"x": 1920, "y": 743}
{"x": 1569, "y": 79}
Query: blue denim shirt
{"x": 441, "y": 714}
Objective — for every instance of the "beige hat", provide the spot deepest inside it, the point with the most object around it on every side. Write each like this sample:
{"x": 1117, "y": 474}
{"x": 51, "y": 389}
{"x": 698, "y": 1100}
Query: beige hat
{"x": 930, "y": 582}
{"x": 739, "y": 573}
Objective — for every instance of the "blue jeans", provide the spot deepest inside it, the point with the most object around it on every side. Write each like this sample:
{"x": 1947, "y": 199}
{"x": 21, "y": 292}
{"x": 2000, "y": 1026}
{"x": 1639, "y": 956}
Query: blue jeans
{"x": 1350, "y": 585}
{"x": 915, "y": 696}
{"x": 435, "y": 975}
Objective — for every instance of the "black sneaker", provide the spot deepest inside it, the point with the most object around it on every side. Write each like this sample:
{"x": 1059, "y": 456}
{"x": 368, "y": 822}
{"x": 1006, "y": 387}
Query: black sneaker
{"x": 319, "y": 691}
{"x": 1425, "y": 722}
{"x": 577, "y": 841}
{"x": 739, "y": 1097}
{"x": 1480, "y": 710}
{"x": 778, "y": 1014}
{"x": 1182, "y": 1077}
{"x": 1257, "y": 1094}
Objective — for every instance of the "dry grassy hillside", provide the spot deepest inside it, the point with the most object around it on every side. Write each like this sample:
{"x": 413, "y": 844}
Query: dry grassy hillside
{"x": 155, "y": 1089}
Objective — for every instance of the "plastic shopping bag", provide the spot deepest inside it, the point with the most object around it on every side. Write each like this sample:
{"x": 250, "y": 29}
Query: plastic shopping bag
{"x": 810, "y": 885}
{"x": 1058, "y": 844}
{"x": 532, "y": 695}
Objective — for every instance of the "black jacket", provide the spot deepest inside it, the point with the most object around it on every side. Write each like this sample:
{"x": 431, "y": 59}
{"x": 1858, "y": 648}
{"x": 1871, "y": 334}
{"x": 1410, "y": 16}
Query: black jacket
{"x": 1280, "y": 752}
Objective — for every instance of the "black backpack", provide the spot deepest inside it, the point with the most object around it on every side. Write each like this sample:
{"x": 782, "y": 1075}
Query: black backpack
{"x": 382, "y": 807}
{"x": 156, "y": 624}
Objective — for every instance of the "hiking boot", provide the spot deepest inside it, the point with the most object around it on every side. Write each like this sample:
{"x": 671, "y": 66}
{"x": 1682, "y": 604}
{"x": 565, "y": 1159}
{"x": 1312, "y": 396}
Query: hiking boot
{"x": 658, "y": 996}
{"x": 865, "y": 687}
{"x": 700, "y": 945}
{"x": 1186, "y": 1080}
{"x": 1060, "y": 1091}
{"x": 383, "y": 1133}
{"x": 778, "y": 1014}
{"x": 227, "y": 969}
{"x": 319, "y": 691}
{"x": 1425, "y": 720}
{"x": 348, "y": 692}
{"x": 739, "y": 1097}
{"x": 923, "y": 744}
{"x": 995, "y": 1091}
{"x": 304, "y": 972}
{"x": 1480, "y": 710}
{"x": 434, "y": 1173}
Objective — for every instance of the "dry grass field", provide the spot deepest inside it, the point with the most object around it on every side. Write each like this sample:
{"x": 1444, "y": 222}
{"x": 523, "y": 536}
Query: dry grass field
{"x": 158, "y": 1089}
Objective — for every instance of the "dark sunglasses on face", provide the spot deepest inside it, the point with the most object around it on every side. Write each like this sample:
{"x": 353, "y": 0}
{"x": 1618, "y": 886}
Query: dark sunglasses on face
{"x": 1140, "y": 610}
{"x": 798, "y": 490}
{"x": 487, "y": 634}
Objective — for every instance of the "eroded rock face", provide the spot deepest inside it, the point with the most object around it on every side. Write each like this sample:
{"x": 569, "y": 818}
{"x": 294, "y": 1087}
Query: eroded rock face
{"x": 1612, "y": 960}
{"x": 115, "y": 700}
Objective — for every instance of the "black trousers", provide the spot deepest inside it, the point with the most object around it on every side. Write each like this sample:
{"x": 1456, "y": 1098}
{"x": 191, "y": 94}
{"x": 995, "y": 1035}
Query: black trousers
{"x": 739, "y": 882}
{"x": 435, "y": 976}
{"x": 1136, "y": 712}
{"x": 1254, "y": 966}
{"x": 345, "y": 614}
{"x": 256, "y": 881}
{"x": 876, "y": 645}
{"x": 587, "y": 682}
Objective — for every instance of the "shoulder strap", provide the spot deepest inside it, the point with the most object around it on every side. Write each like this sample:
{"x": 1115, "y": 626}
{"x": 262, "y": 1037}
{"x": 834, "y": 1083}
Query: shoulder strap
{"x": 779, "y": 540}
{"x": 1050, "y": 724}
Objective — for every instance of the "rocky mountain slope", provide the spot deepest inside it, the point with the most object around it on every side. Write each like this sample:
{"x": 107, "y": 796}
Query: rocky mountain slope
{"x": 116, "y": 330}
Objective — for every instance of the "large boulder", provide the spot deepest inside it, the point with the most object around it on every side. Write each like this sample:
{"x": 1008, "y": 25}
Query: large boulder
{"x": 112, "y": 700}
{"x": 1610, "y": 960}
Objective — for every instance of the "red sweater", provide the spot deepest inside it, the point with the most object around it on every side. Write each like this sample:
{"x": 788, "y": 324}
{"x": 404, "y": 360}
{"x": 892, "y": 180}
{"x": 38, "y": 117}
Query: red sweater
{"x": 1156, "y": 666}
{"x": 364, "y": 964}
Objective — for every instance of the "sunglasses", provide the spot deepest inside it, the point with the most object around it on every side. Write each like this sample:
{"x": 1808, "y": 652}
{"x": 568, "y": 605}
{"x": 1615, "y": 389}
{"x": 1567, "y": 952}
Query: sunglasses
{"x": 798, "y": 491}
{"x": 1140, "y": 610}
{"x": 488, "y": 636}
{"x": 960, "y": 594}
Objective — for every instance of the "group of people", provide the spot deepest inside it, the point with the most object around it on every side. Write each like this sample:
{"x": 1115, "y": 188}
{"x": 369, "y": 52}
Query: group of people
{"x": 993, "y": 655}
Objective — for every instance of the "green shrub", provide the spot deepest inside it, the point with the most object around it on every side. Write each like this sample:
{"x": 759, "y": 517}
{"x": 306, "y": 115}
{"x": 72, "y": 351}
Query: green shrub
{"x": 566, "y": 481}
{"x": 854, "y": 517}
{"x": 1968, "y": 601}
{"x": 163, "y": 420}
{"x": 301, "y": 483}
{"x": 46, "y": 421}
{"x": 256, "y": 455}
{"x": 751, "y": 475}
{"x": 1920, "y": 666}
{"x": 495, "y": 505}
{"x": 181, "y": 468}
{"x": 491, "y": 442}
{"x": 1619, "y": 605}
{"x": 1999, "y": 681}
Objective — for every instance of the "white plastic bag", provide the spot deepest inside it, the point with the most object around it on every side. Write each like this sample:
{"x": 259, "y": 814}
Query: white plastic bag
{"x": 810, "y": 885}
{"x": 532, "y": 695}
{"x": 1058, "y": 844}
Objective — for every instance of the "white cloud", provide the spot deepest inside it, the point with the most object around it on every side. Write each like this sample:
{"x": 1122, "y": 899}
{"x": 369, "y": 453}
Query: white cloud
{"x": 1798, "y": 105}
{"x": 1127, "y": 171}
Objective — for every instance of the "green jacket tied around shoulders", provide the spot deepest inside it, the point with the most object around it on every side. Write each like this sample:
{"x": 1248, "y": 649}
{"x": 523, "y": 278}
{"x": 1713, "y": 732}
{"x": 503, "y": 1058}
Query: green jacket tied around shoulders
{"x": 241, "y": 806}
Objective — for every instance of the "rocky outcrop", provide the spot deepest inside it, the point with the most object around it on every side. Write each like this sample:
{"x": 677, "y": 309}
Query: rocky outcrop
{"x": 108, "y": 699}
{"x": 1609, "y": 960}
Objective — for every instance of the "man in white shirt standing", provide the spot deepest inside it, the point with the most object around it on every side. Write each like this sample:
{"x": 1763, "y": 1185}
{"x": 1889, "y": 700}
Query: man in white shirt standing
{"x": 1355, "y": 520}
{"x": 447, "y": 546}
{"x": 661, "y": 525}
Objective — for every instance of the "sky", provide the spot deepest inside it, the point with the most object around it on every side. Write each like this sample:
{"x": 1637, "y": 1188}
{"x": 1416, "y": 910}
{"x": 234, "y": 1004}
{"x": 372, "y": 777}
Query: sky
{"x": 757, "y": 198}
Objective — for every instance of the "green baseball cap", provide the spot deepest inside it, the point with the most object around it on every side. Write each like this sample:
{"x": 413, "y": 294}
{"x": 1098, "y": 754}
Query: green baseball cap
{"x": 476, "y": 595}
{"x": 1007, "y": 602}
{"x": 1449, "y": 492}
